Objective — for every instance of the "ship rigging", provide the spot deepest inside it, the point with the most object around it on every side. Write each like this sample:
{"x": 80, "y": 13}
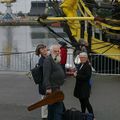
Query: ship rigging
{"x": 86, "y": 20}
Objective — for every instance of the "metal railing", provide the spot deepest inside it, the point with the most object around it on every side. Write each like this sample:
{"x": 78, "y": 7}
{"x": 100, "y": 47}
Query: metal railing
{"x": 24, "y": 61}
{"x": 105, "y": 64}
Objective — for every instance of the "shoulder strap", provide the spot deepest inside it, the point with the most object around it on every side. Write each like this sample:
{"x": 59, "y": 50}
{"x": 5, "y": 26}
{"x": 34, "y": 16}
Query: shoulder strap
{"x": 81, "y": 67}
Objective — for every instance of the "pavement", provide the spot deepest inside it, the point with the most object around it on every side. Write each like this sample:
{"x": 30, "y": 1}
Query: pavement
{"x": 17, "y": 92}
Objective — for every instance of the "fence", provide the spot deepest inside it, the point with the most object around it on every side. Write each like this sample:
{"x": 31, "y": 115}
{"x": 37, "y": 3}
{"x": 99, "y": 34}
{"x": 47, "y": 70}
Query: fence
{"x": 24, "y": 61}
{"x": 105, "y": 65}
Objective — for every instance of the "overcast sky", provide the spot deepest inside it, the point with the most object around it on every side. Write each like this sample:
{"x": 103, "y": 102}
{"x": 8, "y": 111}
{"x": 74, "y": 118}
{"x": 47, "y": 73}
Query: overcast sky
{"x": 20, "y": 5}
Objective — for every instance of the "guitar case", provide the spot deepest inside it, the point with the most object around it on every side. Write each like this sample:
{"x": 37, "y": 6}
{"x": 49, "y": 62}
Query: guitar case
{"x": 52, "y": 98}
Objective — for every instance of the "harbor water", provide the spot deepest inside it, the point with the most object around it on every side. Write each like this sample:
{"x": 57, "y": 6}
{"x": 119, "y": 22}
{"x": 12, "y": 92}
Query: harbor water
{"x": 25, "y": 38}
{"x": 18, "y": 43}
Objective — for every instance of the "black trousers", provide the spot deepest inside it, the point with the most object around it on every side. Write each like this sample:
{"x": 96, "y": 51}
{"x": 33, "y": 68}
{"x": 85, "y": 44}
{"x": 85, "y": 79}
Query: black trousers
{"x": 85, "y": 104}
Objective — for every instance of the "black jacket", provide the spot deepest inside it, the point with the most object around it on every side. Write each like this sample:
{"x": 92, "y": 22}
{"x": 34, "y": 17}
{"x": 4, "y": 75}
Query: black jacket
{"x": 82, "y": 86}
{"x": 41, "y": 87}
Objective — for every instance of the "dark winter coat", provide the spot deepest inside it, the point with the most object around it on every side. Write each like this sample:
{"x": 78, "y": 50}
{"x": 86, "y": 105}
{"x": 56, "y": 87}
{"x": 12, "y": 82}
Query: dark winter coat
{"x": 82, "y": 86}
{"x": 53, "y": 73}
{"x": 40, "y": 86}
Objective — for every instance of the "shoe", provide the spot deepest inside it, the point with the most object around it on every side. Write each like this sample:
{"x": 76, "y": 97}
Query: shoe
{"x": 44, "y": 119}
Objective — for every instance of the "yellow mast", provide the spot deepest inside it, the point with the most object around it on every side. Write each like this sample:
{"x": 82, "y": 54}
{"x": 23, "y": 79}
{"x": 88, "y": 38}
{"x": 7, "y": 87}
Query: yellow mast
{"x": 69, "y": 18}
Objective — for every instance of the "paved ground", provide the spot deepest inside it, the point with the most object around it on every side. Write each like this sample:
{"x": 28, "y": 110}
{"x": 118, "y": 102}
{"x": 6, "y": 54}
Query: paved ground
{"x": 17, "y": 92}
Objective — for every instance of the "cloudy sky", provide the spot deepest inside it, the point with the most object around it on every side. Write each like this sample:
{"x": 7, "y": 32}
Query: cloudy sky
{"x": 20, "y": 5}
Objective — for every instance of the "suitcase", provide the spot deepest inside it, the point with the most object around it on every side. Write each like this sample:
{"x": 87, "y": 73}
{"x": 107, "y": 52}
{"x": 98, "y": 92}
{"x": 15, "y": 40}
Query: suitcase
{"x": 74, "y": 114}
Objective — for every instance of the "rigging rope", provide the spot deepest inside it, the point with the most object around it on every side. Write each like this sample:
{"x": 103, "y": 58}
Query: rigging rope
{"x": 65, "y": 25}
{"x": 51, "y": 30}
{"x": 102, "y": 47}
{"x": 98, "y": 43}
{"x": 55, "y": 6}
{"x": 104, "y": 25}
{"x": 82, "y": 7}
{"x": 108, "y": 49}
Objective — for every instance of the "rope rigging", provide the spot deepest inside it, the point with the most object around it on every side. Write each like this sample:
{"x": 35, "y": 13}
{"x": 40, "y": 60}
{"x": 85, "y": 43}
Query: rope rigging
{"x": 112, "y": 9}
{"x": 102, "y": 46}
{"x": 70, "y": 29}
{"x": 51, "y": 30}
{"x": 55, "y": 5}
{"x": 59, "y": 12}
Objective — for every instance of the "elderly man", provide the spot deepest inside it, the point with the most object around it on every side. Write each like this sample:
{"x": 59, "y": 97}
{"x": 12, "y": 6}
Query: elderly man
{"x": 53, "y": 75}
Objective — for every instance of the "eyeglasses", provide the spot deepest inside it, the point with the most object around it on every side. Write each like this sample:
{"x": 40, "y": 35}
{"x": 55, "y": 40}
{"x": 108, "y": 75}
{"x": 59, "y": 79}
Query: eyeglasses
{"x": 56, "y": 51}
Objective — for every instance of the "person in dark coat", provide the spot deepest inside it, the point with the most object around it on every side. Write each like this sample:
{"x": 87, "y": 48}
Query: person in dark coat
{"x": 82, "y": 87}
{"x": 53, "y": 75}
{"x": 42, "y": 52}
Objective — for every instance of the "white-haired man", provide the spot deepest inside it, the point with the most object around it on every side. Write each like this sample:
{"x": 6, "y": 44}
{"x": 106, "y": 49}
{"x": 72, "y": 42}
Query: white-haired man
{"x": 53, "y": 75}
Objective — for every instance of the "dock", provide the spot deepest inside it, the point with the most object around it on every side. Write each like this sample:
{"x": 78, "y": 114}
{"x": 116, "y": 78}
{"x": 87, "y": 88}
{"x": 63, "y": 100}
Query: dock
{"x": 17, "y": 92}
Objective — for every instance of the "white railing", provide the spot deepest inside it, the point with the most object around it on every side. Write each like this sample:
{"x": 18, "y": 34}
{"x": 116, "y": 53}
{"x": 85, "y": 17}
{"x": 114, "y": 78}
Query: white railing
{"x": 24, "y": 61}
{"x": 105, "y": 63}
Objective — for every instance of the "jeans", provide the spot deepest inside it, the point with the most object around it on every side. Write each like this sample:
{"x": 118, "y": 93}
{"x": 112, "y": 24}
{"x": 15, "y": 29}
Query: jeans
{"x": 55, "y": 111}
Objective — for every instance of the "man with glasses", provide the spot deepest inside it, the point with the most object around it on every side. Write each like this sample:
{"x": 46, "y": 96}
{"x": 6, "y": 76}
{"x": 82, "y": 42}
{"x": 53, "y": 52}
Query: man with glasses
{"x": 53, "y": 75}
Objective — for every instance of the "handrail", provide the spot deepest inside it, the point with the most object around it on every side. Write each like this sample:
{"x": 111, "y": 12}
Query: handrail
{"x": 23, "y": 62}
